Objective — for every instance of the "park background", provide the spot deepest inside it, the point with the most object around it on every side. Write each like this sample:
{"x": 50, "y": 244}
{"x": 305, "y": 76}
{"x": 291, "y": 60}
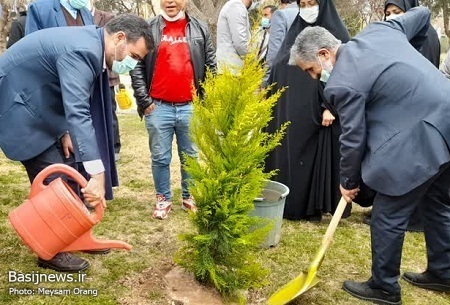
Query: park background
{"x": 146, "y": 274}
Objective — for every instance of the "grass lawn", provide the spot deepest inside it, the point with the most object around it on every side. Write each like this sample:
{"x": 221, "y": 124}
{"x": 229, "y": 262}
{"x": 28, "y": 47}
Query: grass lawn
{"x": 136, "y": 277}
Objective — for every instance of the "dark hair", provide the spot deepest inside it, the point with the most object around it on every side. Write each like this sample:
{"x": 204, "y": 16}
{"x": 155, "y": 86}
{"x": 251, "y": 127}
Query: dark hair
{"x": 273, "y": 8}
{"x": 134, "y": 28}
{"x": 286, "y": 1}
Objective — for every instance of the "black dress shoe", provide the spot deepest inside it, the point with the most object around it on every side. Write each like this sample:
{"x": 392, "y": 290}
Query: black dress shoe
{"x": 364, "y": 292}
{"x": 98, "y": 251}
{"x": 427, "y": 280}
{"x": 64, "y": 262}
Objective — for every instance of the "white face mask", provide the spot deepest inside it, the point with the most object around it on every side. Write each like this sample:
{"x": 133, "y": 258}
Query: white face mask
{"x": 393, "y": 16}
{"x": 178, "y": 16}
{"x": 310, "y": 14}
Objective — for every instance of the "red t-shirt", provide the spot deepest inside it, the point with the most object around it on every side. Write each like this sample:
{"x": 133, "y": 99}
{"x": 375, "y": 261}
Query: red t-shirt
{"x": 173, "y": 78}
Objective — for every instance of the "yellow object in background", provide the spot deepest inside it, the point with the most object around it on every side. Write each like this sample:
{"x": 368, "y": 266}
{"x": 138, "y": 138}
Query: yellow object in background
{"x": 123, "y": 98}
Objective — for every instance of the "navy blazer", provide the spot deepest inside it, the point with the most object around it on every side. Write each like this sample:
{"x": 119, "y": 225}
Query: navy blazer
{"x": 51, "y": 83}
{"x": 393, "y": 106}
{"x": 44, "y": 14}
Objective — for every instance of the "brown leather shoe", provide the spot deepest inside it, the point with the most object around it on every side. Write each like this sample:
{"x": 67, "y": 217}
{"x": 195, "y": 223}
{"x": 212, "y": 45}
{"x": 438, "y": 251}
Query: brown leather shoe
{"x": 64, "y": 262}
{"x": 426, "y": 280}
{"x": 98, "y": 251}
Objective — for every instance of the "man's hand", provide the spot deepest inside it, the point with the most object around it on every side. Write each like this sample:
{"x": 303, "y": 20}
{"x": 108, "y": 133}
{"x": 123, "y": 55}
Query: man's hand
{"x": 349, "y": 195}
{"x": 94, "y": 192}
{"x": 149, "y": 109}
{"x": 66, "y": 144}
{"x": 327, "y": 118}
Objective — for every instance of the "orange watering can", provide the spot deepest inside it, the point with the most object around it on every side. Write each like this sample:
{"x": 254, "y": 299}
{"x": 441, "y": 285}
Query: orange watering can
{"x": 54, "y": 219}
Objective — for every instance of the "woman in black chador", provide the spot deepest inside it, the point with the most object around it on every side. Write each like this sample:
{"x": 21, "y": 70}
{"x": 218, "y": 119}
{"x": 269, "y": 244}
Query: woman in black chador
{"x": 308, "y": 159}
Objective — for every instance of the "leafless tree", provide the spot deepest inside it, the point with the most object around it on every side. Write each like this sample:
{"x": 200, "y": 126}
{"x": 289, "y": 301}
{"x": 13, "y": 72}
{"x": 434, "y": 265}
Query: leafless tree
{"x": 144, "y": 8}
{"x": 359, "y": 13}
{"x": 5, "y": 21}
{"x": 441, "y": 8}
{"x": 208, "y": 11}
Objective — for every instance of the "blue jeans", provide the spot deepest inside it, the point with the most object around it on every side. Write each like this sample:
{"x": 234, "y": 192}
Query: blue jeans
{"x": 162, "y": 123}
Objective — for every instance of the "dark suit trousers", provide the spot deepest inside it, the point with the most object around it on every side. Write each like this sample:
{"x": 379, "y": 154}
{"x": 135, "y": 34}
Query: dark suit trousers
{"x": 390, "y": 217}
{"x": 52, "y": 155}
{"x": 117, "y": 144}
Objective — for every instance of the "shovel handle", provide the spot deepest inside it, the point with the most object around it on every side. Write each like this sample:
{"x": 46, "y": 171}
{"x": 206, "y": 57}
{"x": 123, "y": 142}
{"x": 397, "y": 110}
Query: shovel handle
{"x": 334, "y": 223}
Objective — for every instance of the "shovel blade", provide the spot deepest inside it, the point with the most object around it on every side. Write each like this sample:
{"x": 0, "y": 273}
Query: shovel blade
{"x": 302, "y": 283}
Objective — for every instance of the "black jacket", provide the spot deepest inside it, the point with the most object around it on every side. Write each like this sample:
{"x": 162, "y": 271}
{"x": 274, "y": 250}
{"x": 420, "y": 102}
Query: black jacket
{"x": 17, "y": 30}
{"x": 201, "y": 48}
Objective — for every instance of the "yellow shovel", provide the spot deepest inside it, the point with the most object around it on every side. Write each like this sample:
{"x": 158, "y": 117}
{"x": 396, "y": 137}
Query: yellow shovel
{"x": 305, "y": 281}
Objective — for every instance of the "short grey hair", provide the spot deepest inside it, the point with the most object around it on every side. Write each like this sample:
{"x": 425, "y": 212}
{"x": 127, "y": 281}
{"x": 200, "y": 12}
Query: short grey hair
{"x": 309, "y": 42}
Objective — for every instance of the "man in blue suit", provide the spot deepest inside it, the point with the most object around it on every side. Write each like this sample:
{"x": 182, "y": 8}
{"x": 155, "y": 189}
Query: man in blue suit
{"x": 55, "y": 93}
{"x": 394, "y": 106}
{"x": 43, "y": 14}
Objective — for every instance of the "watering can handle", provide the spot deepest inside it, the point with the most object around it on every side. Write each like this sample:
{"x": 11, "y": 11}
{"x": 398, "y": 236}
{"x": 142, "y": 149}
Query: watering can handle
{"x": 99, "y": 211}
{"x": 38, "y": 183}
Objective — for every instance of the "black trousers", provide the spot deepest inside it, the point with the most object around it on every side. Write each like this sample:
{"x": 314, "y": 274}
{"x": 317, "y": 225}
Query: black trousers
{"x": 52, "y": 155}
{"x": 390, "y": 217}
{"x": 117, "y": 144}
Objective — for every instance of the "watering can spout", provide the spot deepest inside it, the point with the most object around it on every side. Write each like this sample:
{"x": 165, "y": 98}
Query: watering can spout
{"x": 89, "y": 242}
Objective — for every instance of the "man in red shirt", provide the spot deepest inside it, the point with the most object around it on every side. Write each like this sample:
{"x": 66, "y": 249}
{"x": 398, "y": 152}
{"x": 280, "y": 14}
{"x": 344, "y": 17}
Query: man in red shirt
{"x": 164, "y": 84}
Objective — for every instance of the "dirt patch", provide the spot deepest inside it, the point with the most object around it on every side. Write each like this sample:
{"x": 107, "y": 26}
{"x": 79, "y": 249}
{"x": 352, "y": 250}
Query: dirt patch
{"x": 148, "y": 287}
{"x": 168, "y": 284}
{"x": 183, "y": 289}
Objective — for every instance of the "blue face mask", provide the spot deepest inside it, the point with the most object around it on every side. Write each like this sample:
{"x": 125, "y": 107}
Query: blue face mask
{"x": 326, "y": 72}
{"x": 125, "y": 65}
{"x": 78, "y": 4}
{"x": 265, "y": 23}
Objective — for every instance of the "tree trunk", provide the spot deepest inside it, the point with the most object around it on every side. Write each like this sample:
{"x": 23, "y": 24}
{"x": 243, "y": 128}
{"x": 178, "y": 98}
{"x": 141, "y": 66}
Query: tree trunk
{"x": 446, "y": 16}
{"x": 208, "y": 11}
{"x": 5, "y": 23}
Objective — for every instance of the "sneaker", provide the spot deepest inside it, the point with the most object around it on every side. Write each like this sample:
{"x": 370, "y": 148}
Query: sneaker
{"x": 162, "y": 207}
{"x": 426, "y": 280}
{"x": 188, "y": 204}
{"x": 364, "y": 292}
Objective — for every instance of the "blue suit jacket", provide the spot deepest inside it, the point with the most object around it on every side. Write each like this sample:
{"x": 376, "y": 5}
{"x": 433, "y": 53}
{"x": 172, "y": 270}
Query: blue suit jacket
{"x": 51, "y": 83}
{"x": 393, "y": 105}
{"x": 44, "y": 14}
